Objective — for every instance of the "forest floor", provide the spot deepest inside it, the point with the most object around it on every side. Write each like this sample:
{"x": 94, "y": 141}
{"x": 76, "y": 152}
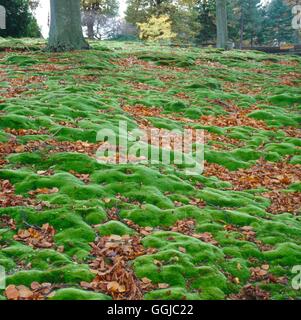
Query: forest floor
{"x": 74, "y": 228}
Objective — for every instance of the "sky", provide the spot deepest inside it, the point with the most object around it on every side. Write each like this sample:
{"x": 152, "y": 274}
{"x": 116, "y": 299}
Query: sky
{"x": 42, "y": 14}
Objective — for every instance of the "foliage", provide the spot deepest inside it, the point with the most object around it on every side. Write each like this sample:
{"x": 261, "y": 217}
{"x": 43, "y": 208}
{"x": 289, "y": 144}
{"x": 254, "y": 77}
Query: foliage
{"x": 33, "y": 4}
{"x": 19, "y": 20}
{"x": 277, "y": 26}
{"x": 250, "y": 22}
{"x": 206, "y": 10}
{"x": 181, "y": 13}
{"x": 156, "y": 28}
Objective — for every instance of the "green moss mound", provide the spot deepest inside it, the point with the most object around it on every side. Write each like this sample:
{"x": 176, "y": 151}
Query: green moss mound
{"x": 203, "y": 235}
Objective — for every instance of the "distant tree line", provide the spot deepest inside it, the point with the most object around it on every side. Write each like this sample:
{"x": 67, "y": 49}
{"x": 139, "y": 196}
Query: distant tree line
{"x": 20, "y": 21}
{"x": 249, "y": 22}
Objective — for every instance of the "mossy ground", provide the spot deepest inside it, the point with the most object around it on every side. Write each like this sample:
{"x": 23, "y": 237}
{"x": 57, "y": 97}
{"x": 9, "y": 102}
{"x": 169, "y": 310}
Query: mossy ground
{"x": 52, "y": 106}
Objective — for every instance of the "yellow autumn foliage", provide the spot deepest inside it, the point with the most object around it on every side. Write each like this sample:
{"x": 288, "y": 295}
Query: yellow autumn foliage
{"x": 156, "y": 28}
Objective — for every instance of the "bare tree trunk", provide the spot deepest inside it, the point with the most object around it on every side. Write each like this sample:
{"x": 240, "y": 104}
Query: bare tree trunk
{"x": 241, "y": 31}
{"x": 90, "y": 22}
{"x": 65, "y": 26}
{"x": 90, "y": 27}
{"x": 298, "y": 37}
{"x": 222, "y": 24}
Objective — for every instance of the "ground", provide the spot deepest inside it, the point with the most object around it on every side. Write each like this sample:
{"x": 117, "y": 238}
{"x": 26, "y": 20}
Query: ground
{"x": 74, "y": 228}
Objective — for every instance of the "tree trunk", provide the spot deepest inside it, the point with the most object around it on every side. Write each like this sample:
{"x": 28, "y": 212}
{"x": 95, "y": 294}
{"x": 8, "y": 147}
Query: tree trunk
{"x": 90, "y": 24}
{"x": 222, "y": 24}
{"x": 297, "y": 37}
{"x": 241, "y": 31}
{"x": 90, "y": 27}
{"x": 65, "y": 26}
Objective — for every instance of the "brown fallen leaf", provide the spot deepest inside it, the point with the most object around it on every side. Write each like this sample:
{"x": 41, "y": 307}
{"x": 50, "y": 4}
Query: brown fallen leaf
{"x": 24, "y": 292}
{"x": 146, "y": 280}
{"x": 12, "y": 293}
{"x": 114, "y": 286}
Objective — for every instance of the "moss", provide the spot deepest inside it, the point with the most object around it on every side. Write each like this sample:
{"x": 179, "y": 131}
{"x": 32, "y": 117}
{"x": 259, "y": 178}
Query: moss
{"x": 72, "y": 161}
{"x": 285, "y": 254}
{"x": 81, "y": 192}
{"x": 34, "y": 181}
{"x": 275, "y": 117}
{"x": 74, "y": 134}
{"x": 77, "y": 294}
{"x": 233, "y": 160}
{"x": 272, "y": 156}
{"x": 222, "y": 198}
{"x": 296, "y": 160}
{"x": 7, "y": 263}
{"x": 17, "y": 250}
{"x": 212, "y": 293}
{"x": 71, "y": 108}
{"x": 14, "y": 121}
{"x": 21, "y": 61}
{"x": 47, "y": 259}
{"x": 295, "y": 187}
{"x": 281, "y": 148}
{"x": 208, "y": 84}
{"x": 26, "y": 158}
{"x": 3, "y": 137}
{"x": 171, "y": 294}
{"x": 165, "y": 123}
{"x": 114, "y": 227}
{"x": 72, "y": 274}
{"x": 152, "y": 216}
{"x": 75, "y": 241}
{"x": 208, "y": 277}
{"x": 237, "y": 268}
{"x": 285, "y": 99}
{"x": 94, "y": 215}
{"x": 138, "y": 175}
{"x": 150, "y": 195}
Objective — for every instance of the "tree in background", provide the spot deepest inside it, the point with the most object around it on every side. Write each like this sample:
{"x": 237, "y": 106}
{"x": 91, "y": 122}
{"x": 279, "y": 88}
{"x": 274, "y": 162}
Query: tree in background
{"x": 250, "y": 22}
{"x": 96, "y": 13}
{"x": 277, "y": 26}
{"x": 19, "y": 20}
{"x": 123, "y": 31}
{"x": 156, "y": 28}
{"x": 182, "y": 14}
{"x": 65, "y": 26}
{"x": 222, "y": 24}
{"x": 297, "y": 33}
{"x": 33, "y": 4}
{"x": 206, "y": 10}
{"x": 245, "y": 21}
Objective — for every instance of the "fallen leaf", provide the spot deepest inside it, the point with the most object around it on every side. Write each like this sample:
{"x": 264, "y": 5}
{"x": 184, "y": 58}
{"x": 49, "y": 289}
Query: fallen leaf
{"x": 11, "y": 292}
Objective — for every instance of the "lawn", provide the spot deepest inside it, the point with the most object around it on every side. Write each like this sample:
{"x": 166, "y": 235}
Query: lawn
{"x": 74, "y": 228}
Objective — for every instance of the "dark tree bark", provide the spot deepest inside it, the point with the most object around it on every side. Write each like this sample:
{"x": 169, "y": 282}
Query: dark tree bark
{"x": 222, "y": 24}
{"x": 65, "y": 26}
